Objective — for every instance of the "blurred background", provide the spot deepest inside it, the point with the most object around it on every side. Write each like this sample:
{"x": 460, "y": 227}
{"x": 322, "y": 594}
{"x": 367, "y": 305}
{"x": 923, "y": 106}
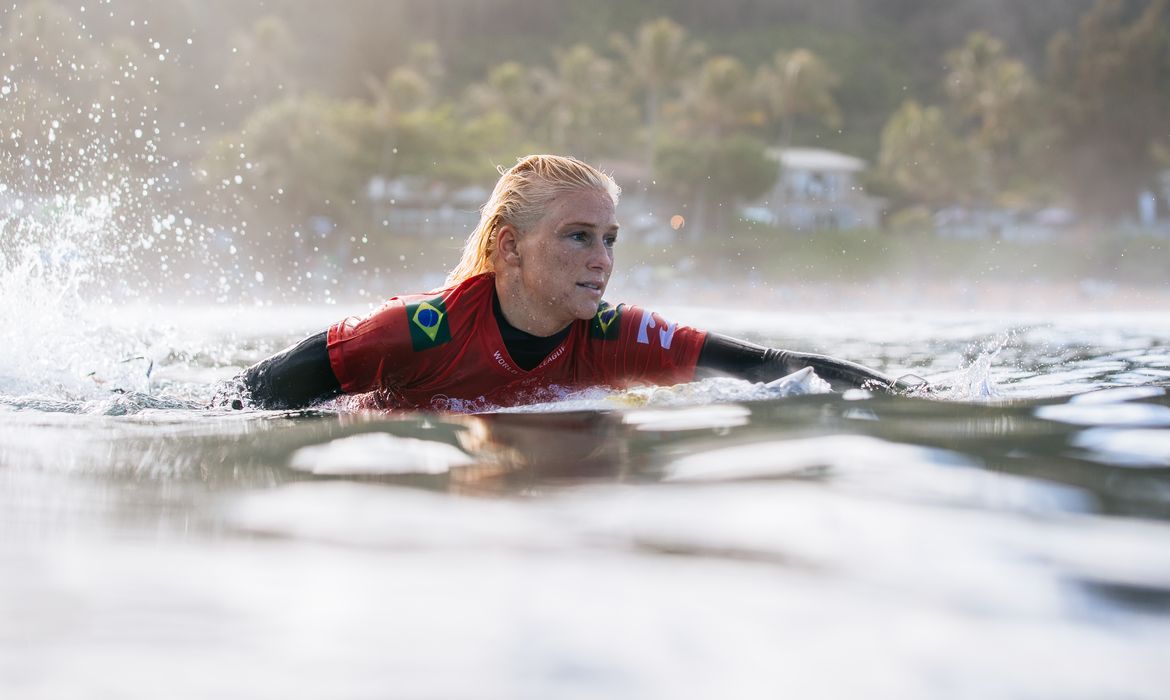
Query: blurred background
{"x": 801, "y": 151}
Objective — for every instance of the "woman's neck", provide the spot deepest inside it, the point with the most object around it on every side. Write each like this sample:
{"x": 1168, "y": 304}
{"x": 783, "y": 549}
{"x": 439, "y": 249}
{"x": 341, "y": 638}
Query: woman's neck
{"x": 523, "y": 313}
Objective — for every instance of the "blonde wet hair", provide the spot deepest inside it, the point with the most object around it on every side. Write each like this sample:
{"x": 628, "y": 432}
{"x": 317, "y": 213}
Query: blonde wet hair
{"x": 522, "y": 195}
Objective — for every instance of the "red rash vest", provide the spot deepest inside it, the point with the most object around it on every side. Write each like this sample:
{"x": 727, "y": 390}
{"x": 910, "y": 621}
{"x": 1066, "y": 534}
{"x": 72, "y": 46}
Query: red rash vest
{"x": 444, "y": 351}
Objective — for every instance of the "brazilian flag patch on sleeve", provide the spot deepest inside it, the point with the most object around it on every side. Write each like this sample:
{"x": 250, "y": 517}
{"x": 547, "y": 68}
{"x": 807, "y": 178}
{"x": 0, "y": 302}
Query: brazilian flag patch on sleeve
{"x": 428, "y": 323}
{"x": 606, "y": 325}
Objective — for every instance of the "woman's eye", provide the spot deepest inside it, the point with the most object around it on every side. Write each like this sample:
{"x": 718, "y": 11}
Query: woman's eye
{"x": 610, "y": 242}
{"x": 578, "y": 235}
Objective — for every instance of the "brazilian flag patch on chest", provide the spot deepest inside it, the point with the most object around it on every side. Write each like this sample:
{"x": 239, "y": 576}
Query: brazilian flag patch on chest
{"x": 606, "y": 325}
{"x": 428, "y": 324}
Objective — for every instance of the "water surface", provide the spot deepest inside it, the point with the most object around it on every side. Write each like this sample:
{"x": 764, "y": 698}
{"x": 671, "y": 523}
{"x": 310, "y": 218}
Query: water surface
{"x": 1007, "y": 537}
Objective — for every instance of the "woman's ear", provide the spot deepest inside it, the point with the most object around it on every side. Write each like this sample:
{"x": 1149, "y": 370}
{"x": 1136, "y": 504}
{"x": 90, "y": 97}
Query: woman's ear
{"x": 507, "y": 245}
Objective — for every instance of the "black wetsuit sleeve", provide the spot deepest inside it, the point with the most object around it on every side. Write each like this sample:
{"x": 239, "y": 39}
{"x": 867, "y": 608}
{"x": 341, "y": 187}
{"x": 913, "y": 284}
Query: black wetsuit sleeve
{"x": 728, "y": 356}
{"x": 294, "y": 377}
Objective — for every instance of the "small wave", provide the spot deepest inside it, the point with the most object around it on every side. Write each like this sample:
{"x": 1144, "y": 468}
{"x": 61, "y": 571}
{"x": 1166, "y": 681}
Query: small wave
{"x": 118, "y": 404}
{"x": 714, "y": 390}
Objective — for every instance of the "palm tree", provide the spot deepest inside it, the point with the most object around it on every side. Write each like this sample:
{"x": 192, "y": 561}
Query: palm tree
{"x": 411, "y": 86}
{"x": 656, "y": 62}
{"x": 987, "y": 86}
{"x": 585, "y": 116}
{"x": 994, "y": 95}
{"x": 713, "y": 109}
{"x": 403, "y": 90}
{"x": 720, "y": 99}
{"x": 922, "y": 157}
{"x": 798, "y": 84}
{"x": 517, "y": 92}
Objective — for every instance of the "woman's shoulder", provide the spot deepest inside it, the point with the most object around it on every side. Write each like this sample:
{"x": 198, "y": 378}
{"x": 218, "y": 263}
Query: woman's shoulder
{"x": 636, "y": 324}
{"x": 473, "y": 287}
{"x": 462, "y": 292}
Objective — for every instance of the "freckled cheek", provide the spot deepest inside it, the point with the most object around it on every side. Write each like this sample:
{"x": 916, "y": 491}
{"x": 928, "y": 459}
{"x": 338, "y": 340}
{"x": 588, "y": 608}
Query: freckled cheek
{"x": 564, "y": 264}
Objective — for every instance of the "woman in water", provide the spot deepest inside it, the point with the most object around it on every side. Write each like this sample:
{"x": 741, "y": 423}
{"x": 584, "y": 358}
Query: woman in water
{"x": 521, "y": 317}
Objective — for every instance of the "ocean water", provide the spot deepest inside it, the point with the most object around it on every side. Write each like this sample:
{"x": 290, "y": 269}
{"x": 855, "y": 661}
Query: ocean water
{"x": 1008, "y": 536}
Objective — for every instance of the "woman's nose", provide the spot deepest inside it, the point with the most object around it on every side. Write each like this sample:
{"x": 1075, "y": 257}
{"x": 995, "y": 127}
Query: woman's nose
{"x": 601, "y": 257}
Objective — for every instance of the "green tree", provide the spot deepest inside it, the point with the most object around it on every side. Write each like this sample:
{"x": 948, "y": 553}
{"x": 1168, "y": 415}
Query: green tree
{"x": 1111, "y": 80}
{"x": 297, "y": 157}
{"x": 586, "y": 117}
{"x": 572, "y": 107}
{"x": 725, "y": 171}
{"x": 708, "y": 157}
{"x": 990, "y": 89}
{"x": 798, "y": 84}
{"x": 655, "y": 63}
{"x": 514, "y": 92}
{"x": 994, "y": 98}
{"x": 435, "y": 145}
{"x": 923, "y": 158}
{"x": 719, "y": 101}
{"x": 403, "y": 90}
{"x": 413, "y": 85}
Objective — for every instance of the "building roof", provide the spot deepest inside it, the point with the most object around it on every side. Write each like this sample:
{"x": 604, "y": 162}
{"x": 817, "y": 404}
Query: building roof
{"x": 816, "y": 159}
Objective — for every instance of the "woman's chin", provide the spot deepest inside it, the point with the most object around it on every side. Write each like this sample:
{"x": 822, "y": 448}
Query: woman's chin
{"x": 584, "y": 312}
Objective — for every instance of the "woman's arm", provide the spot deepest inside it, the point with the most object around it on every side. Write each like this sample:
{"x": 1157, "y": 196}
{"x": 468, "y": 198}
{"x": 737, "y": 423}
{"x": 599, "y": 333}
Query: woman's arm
{"x": 294, "y": 377}
{"x": 728, "y": 356}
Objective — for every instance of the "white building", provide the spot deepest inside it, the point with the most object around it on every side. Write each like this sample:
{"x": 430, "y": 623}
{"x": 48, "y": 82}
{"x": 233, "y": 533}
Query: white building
{"x": 818, "y": 189}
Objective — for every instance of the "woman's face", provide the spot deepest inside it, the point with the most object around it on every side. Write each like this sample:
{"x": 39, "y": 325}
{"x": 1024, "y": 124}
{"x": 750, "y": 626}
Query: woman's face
{"x": 565, "y": 259}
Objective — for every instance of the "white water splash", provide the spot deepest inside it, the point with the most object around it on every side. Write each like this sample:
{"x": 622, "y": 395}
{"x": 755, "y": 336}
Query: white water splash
{"x": 976, "y": 381}
{"x": 50, "y": 260}
{"x": 77, "y": 202}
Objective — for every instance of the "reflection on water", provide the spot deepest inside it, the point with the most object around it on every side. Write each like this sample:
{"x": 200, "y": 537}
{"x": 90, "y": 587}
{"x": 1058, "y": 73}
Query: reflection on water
{"x": 702, "y": 541}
